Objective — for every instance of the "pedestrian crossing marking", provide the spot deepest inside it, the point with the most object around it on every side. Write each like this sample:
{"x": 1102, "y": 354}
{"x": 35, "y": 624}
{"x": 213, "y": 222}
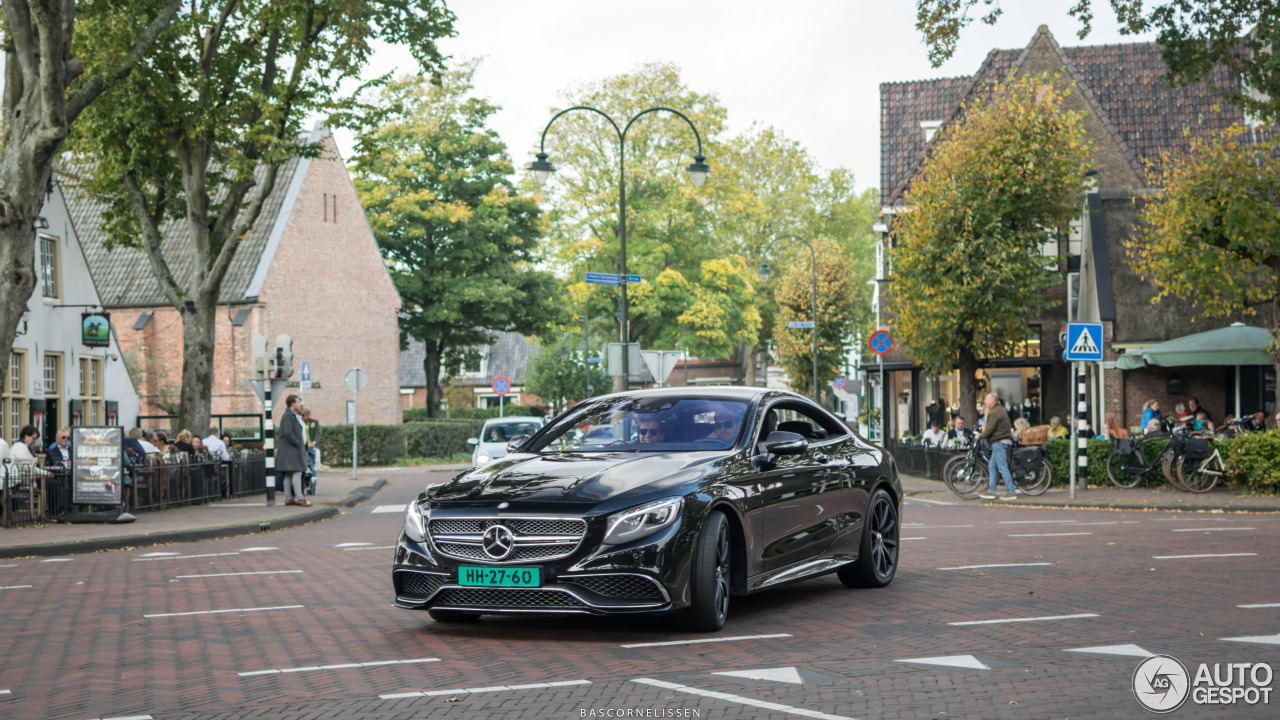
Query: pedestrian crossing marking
{"x": 1256, "y": 639}
{"x": 782, "y": 674}
{"x": 1121, "y": 650}
{"x": 958, "y": 661}
{"x": 389, "y": 509}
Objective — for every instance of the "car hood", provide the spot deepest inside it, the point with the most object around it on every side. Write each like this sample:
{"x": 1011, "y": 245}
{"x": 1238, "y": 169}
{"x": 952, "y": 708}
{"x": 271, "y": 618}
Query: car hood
{"x": 571, "y": 478}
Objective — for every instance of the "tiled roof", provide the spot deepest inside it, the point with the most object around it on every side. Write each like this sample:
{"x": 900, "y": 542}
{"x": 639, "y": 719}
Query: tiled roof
{"x": 507, "y": 357}
{"x": 123, "y": 274}
{"x": 1126, "y": 83}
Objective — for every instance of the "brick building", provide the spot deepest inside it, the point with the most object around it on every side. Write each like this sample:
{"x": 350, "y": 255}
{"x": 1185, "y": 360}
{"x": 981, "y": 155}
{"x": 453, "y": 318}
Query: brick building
{"x": 1130, "y": 115}
{"x": 310, "y": 268}
{"x": 508, "y": 356}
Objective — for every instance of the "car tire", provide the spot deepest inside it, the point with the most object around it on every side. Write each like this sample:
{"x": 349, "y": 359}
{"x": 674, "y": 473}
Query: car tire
{"x": 877, "y": 561}
{"x": 709, "y": 576}
{"x": 452, "y": 616}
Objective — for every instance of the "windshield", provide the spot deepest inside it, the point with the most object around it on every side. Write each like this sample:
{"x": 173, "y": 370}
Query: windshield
{"x": 502, "y": 432}
{"x": 649, "y": 423}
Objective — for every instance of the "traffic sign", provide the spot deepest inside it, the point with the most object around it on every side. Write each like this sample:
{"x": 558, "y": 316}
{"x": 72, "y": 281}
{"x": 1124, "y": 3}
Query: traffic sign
{"x": 1084, "y": 342}
{"x": 305, "y": 386}
{"x": 881, "y": 343}
{"x": 356, "y": 380}
{"x": 501, "y": 386}
{"x": 603, "y": 279}
{"x": 839, "y": 383}
{"x": 633, "y": 279}
{"x": 306, "y": 370}
{"x": 800, "y": 324}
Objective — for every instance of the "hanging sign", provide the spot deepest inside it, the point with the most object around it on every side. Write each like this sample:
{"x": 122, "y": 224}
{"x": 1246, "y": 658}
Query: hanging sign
{"x": 95, "y": 329}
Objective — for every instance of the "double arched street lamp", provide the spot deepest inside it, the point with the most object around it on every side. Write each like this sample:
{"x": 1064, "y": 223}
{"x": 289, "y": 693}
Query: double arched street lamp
{"x": 813, "y": 264}
{"x": 698, "y": 171}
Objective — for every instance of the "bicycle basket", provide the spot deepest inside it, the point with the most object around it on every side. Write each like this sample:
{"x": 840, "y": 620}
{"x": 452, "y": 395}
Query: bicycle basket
{"x": 1198, "y": 448}
{"x": 1037, "y": 435}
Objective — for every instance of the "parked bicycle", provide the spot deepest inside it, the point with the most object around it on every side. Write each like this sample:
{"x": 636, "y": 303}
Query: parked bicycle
{"x": 1201, "y": 467}
{"x": 966, "y": 474}
{"x": 1127, "y": 462}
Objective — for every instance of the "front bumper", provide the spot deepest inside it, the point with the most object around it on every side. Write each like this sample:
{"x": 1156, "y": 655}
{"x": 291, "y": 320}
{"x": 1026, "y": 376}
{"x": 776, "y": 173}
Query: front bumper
{"x": 649, "y": 576}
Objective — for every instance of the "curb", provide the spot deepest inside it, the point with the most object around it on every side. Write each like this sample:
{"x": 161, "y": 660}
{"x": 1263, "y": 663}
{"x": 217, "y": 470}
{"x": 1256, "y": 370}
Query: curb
{"x": 1217, "y": 509}
{"x": 360, "y": 494}
{"x": 116, "y": 543}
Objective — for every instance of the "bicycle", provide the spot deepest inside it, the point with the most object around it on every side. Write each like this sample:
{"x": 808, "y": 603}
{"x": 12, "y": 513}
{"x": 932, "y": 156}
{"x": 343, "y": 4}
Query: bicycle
{"x": 965, "y": 474}
{"x": 1127, "y": 462}
{"x": 1206, "y": 466}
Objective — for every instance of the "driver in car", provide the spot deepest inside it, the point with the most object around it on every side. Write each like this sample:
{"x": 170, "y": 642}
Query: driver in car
{"x": 726, "y": 426}
{"x": 651, "y": 430}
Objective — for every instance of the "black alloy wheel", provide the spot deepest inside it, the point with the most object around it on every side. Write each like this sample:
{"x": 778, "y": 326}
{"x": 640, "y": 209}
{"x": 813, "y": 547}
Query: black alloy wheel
{"x": 709, "y": 576}
{"x": 878, "y": 554}
{"x": 452, "y": 616}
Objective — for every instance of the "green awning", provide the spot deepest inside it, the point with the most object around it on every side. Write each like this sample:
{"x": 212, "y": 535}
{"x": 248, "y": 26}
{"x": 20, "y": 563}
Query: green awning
{"x": 1237, "y": 344}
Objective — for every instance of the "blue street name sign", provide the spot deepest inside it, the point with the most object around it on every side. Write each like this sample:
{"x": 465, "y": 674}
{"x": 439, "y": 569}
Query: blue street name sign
{"x": 1084, "y": 342}
{"x": 595, "y": 360}
{"x": 603, "y": 279}
{"x": 633, "y": 279}
{"x": 800, "y": 324}
{"x": 306, "y": 370}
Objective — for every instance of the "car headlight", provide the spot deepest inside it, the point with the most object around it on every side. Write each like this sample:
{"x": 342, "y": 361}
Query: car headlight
{"x": 641, "y": 521}
{"x": 482, "y": 459}
{"x": 415, "y": 523}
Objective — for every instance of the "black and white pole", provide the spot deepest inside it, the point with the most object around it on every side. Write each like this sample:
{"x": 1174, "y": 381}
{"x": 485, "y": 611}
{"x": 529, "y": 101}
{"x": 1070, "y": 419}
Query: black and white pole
{"x": 1082, "y": 421}
{"x": 269, "y": 441}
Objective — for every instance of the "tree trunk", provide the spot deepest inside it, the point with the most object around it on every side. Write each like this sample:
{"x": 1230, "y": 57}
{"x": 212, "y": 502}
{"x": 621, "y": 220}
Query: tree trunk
{"x": 17, "y": 257}
{"x": 197, "y": 366}
{"x": 431, "y": 365}
{"x": 968, "y": 366}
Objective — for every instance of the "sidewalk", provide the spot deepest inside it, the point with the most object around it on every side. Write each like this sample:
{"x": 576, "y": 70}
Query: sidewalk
{"x": 1109, "y": 497}
{"x": 238, "y": 516}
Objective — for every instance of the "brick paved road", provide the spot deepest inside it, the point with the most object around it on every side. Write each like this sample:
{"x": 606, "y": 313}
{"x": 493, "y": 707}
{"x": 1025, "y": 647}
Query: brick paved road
{"x": 101, "y": 636}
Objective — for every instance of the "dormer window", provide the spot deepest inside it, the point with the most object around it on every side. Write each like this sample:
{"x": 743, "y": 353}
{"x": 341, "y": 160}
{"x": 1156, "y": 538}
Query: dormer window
{"x": 929, "y": 128}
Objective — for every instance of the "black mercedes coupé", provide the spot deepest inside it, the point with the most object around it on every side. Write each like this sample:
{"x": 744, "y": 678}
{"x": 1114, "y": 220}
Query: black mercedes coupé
{"x": 655, "y": 501}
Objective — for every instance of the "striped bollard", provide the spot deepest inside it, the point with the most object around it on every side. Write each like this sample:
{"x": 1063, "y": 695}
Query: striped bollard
{"x": 1082, "y": 421}
{"x": 269, "y": 441}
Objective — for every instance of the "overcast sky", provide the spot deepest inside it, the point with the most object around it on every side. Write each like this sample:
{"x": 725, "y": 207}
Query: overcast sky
{"x": 811, "y": 68}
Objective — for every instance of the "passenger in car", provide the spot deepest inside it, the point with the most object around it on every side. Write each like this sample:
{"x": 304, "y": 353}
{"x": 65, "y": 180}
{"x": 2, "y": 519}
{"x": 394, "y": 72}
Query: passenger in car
{"x": 652, "y": 430}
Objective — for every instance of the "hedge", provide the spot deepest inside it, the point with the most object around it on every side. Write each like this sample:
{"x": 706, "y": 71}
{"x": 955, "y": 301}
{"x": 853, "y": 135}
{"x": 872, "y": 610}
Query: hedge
{"x": 385, "y": 444}
{"x": 1252, "y": 459}
{"x": 420, "y": 414}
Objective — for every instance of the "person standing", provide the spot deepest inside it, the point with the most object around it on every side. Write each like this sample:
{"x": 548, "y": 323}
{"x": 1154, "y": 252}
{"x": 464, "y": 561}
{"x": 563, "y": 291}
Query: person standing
{"x": 999, "y": 432}
{"x": 291, "y": 453}
{"x": 313, "y": 438}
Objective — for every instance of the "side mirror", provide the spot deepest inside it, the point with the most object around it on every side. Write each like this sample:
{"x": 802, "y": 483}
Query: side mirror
{"x": 785, "y": 443}
{"x": 473, "y": 441}
{"x": 514, "y": 443}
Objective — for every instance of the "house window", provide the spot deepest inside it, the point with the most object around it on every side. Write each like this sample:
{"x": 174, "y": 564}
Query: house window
{"x": 52, "y": 364}
{"x": 1029, "y": 347}
{"x": 473, "y": 363}
{"x": 13, "y": 411}
{"x": 91, "y": 389}
{"x": 49, "y": 266}
{"x": 929, "y": 128}
{"x": 15, "y": 373}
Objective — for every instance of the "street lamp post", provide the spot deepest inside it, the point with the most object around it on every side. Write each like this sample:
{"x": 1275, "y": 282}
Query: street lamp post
{"x": 813, "y": 265}
{"x": 586, "y": 340}
{"x": 698, "y": 171}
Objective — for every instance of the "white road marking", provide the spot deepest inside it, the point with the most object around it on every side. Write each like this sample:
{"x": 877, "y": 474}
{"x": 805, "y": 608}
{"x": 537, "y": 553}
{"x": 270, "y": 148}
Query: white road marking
{"x": 344, "y": 666}
{"x": 129, "y": 717}
{"x": 260, "y": 572}
{"x": 185, "y": 557}
{"x": 1034, "y": 522}
{"x": 351, "y": 544}
{"x": 495, "y": 688}
{"x": 56, "y": 560}
{"x": 739, "y": 699}
{"x": 1211, "y": 529}
{"x": 782, "y": 674}
{"x": 259, "y": 549}
{"x": 1121, "y": 650}
{"x": 930, "y": 502}
{"x": 217, "y": 612}
{"x": 1256, "y": 639}
{"x": 706, "y": 640}
{"x": 390, "y": 508}
{"x": 982, "y": 567}
{"x": 6, "y": 692}
{"x": 1180, "y": 557}
{"x": 1027, "y": 619}
{"x": 914, "y": 538}
{"x": 1263, "y": 605}
{"x": 159, "y": 554}
{"x": 8, "y": 566}
{"x": 14, "y": 587}
{"x": 960, "y": 661}
{"x": 380, "y": 547}
{"x": 931, "y": 527}
{"x": 1048, "y": 534}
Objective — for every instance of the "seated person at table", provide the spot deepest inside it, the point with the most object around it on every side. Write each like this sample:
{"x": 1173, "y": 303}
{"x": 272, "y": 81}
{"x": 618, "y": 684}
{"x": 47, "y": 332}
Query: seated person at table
{"x": 1057, "y": 429}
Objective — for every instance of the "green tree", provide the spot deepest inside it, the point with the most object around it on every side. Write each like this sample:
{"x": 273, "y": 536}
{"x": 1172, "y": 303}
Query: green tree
{"x": 1194, "y": 37}
{"x": 458, "y": 237}
{"x": 59, "y": 59}
{"x": 1212, "y": 235}
{"x": 198, "y": 134}
{"x": 968, "y": 270}
{"x": 559, "y": 375}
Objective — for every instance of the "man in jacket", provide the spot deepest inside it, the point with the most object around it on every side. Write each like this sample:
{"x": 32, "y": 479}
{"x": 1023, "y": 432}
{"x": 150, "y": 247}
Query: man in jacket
{"x": 291, "y": 452}
{"x": 999, "y": 432}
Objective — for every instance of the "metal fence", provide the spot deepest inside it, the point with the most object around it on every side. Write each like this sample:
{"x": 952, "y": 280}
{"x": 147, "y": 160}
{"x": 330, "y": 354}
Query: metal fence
{"x": 33, "y": 494}
{"x": 921, "y": 460}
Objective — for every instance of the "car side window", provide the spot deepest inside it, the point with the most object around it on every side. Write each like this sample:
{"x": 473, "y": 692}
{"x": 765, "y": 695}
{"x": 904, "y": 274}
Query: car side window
{"x": 805, "y": 422}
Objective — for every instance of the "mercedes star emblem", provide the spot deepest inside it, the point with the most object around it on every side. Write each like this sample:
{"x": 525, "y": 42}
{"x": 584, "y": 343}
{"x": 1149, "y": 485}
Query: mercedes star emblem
{"x": 498, "y": 542}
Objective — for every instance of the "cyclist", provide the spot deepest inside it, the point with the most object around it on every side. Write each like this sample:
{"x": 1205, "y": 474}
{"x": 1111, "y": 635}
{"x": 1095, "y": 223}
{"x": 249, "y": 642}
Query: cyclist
{"x": 999, "y": 432}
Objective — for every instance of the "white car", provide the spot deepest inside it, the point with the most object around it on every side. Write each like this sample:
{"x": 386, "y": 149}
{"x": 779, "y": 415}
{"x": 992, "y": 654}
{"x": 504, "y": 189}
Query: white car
{"x": 497, "y": 432}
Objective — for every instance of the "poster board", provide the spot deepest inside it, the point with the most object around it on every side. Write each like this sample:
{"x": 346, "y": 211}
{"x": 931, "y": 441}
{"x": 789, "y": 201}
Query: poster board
{"x": 97, "y": 465}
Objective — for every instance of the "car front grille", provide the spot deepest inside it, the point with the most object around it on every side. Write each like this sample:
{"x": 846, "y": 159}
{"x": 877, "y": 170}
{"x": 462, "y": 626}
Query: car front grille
{"x": 622, "y": 587}
{"x": 416, "y": 585}
{"x": 510, "y": 598}
{"x": 536, "y": 539}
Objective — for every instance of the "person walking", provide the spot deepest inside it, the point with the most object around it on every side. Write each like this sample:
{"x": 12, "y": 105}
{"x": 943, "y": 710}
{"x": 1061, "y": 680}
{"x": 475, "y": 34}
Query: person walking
{"x": 313, "y": 439}
{"x": 291, "y": 455}
{"x": 999, "y": 432}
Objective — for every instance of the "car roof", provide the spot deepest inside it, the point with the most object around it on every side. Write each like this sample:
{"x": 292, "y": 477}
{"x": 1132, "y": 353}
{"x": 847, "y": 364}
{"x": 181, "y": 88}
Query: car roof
{"x": 514, "y": 418}
{"x": 716, "y": 392}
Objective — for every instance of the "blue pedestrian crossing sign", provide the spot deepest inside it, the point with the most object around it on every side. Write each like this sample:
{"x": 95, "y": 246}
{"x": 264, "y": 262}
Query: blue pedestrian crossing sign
{"x": 306, "y": 370}
{"x": 1084, "y": 342}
